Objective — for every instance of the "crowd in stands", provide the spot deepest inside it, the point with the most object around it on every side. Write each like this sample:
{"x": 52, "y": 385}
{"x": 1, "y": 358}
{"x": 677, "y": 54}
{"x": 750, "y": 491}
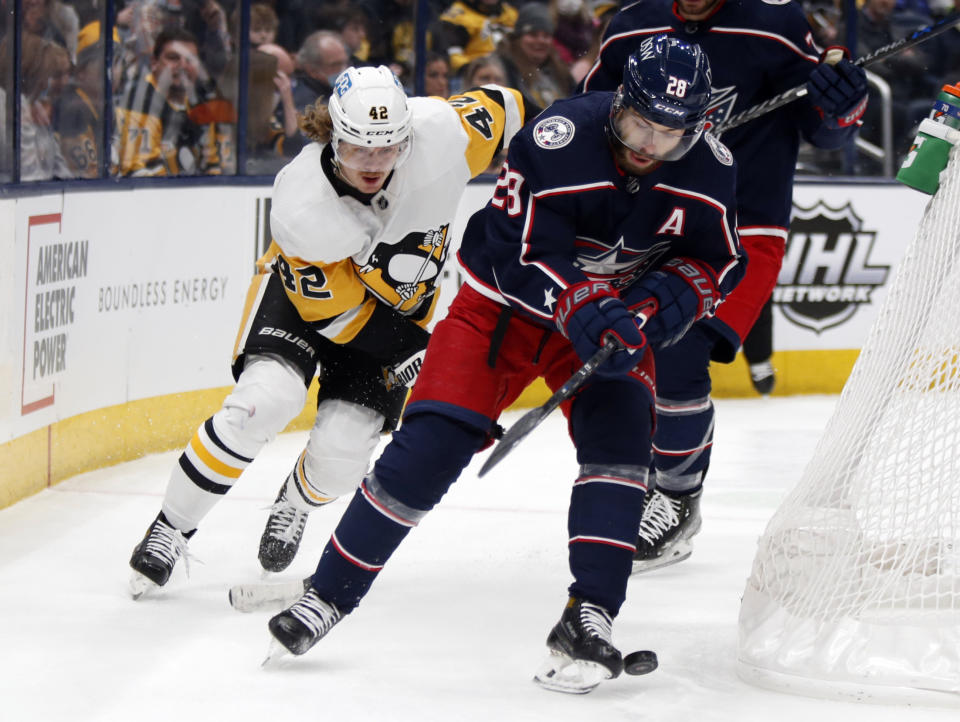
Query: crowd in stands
{"x": 175, "y": 71}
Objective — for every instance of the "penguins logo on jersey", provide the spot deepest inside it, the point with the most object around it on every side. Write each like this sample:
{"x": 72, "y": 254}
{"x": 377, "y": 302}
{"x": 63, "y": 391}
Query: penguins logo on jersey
{"x": 403, "y": 274}
{"x": 404, "y": 373}
{"x": 553, "y": 132}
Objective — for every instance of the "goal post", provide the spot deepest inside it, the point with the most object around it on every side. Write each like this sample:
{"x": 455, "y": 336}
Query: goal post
{"x": 855, "y": 586}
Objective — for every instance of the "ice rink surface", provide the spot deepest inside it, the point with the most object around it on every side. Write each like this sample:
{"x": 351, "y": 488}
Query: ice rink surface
{"x": 453, "y": 629}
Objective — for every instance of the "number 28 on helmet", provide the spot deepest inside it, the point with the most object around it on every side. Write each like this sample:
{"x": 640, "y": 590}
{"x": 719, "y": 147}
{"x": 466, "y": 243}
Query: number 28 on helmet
{"x": 660, "y": 109}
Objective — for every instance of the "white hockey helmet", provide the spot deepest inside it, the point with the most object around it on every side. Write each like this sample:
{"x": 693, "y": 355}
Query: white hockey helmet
{"x": 368, "y": 108}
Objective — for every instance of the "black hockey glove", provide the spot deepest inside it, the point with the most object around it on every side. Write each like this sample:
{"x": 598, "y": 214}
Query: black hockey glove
{"x": 590, "y": 311}
{"x": 668, "y": 301}
{"x": 838, "y": 92}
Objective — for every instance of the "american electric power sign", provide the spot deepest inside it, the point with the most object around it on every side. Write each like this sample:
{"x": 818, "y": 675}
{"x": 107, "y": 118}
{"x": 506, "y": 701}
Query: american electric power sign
{"x": 828, "y": 273}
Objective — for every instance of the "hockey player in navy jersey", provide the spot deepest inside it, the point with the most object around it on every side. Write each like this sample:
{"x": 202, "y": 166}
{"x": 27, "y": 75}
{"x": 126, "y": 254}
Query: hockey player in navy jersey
{"x": 609, "y": 205}
{"x": 757, "y": 49}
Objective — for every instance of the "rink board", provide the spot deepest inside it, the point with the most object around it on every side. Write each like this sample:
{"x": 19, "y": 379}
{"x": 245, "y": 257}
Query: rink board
{"x": 120, "y": 311}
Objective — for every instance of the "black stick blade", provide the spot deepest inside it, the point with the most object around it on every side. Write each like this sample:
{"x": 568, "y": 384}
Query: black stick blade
{"x": 513, "y": 436}
{"x": 530, "y": 420}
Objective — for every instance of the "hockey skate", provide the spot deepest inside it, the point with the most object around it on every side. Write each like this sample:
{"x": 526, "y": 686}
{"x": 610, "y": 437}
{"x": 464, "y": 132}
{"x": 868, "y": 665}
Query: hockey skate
{"x": 581, "y": 652}
{"x": 763, "y": 377}
{"x": 668, "y": 524}
{"x": 153, "y": 558}
{"x": 298, "y": 628}
{"x": 281, "y": 536}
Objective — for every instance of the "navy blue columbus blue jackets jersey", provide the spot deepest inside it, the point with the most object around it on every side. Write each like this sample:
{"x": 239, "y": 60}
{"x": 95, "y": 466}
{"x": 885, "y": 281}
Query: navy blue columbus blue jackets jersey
{"x": 563, "y": 212}
{"x": 757, "y": 49}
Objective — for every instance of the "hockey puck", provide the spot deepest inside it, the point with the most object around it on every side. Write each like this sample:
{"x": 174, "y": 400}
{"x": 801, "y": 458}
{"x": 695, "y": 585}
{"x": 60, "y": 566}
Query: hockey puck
{"x": 641, "y": 662}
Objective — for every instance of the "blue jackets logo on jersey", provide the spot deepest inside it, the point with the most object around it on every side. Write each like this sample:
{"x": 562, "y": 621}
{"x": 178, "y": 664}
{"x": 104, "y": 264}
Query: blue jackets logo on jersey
{"x": 553, "y": 132}
{"x": 722, "y": 101}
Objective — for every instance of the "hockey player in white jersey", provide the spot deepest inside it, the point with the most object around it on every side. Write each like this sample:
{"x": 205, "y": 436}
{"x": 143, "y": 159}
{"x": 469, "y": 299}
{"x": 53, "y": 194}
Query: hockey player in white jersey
{"x": 361, "y": 228}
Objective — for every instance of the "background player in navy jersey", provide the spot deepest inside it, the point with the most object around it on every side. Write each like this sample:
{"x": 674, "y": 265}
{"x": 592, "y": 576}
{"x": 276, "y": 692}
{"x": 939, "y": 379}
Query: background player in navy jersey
{"x": 757, "y": 49}
{"x": 610, "y": 204}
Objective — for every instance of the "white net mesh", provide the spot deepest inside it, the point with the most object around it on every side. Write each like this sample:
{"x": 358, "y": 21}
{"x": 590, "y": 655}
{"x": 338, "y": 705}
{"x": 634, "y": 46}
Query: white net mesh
{"x": 856, "y": 582}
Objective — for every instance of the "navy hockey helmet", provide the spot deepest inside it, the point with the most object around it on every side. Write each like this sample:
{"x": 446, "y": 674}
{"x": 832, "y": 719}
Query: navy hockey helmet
{"x": 660, "y": 109}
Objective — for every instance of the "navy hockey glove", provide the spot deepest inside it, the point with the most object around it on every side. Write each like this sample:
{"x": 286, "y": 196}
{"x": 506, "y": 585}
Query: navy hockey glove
{"x": 670, "y": 300}
{"x": 838, "y": 91}
{"x": 587, "y": 313}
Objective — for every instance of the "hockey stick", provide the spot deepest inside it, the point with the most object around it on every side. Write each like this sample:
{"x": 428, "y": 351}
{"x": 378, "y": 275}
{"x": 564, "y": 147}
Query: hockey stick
{"x": 255, "y": 596}
{"x": 530, "y": 420}
{"x": 885, "y": 51}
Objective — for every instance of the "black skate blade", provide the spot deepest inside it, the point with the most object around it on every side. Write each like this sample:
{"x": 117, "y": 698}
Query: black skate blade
{"x": 640, "y": 662}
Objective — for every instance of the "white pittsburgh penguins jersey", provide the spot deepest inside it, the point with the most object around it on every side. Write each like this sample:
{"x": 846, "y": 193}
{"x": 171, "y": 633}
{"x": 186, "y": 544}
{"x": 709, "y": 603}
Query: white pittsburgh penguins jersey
{"x": 338, "y": 257}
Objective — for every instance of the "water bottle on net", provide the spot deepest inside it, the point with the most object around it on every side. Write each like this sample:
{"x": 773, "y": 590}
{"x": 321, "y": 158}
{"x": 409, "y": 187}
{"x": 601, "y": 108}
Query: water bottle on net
{"x": 938, "y": 133}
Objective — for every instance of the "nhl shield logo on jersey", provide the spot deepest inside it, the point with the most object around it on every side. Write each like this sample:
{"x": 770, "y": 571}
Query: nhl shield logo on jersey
{"x": 553, "y": 132}
{"x": 721, "y": 151}
{"x": 826, "y": 274}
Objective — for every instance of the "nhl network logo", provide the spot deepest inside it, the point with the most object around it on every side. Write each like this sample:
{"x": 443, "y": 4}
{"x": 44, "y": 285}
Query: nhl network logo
{"x": 825, "y": 274}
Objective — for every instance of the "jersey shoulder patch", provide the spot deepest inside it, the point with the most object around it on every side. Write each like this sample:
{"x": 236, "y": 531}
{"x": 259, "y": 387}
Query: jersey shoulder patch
{"x": 721, "y": 151}
{"x": 553, "y": 132}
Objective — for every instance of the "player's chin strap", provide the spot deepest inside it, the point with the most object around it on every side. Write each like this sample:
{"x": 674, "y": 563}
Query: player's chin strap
{"x": 885, "y": 51}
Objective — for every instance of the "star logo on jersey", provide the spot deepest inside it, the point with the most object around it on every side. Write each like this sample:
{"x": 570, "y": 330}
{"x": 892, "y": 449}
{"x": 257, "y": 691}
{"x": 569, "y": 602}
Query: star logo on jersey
{"x": 549, "y": 299}
{"x": 722, "y": 101}
{"x": 599, "y": 260}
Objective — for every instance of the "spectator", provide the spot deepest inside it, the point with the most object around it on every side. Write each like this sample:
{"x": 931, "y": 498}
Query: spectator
{"x": 54, "y": 21}
{"x": 79, "y": 112}
{"x": 575, "y": 28}
{"x": 143, "y": 20}
{"x": 912, "y": 87}
{"x": 471, "y": 28}
{"x": 285, "y": 62}
{"x": 172, "y": 120}
{"x": 602, "y": 12}
{"x": 320, "y": 60}
{"x": 263, "y": 25}
{"x": 353, "y": 30}
{"x": 45, "y": 67}
{"x": 390, "y": 30}
{"x": 273, "y": 135}
{"x": 437, "y": 76}
{"x": 207, "y": 20}
{"x": 533, "y": 65}
{"x": 484, "y": 71}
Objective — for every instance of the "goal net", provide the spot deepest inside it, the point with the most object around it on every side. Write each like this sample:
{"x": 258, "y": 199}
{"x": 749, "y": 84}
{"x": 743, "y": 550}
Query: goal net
{"x": 855, "y": 587}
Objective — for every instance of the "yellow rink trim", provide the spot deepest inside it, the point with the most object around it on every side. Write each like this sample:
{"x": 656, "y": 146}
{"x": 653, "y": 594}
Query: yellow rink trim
{"x": 798, "y": 372}
{"x": 112, "y": 435}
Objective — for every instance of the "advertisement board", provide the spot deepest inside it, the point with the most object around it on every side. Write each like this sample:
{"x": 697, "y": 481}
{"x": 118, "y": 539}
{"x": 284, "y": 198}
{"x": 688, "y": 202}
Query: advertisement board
{"x": 120, "y": 310}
